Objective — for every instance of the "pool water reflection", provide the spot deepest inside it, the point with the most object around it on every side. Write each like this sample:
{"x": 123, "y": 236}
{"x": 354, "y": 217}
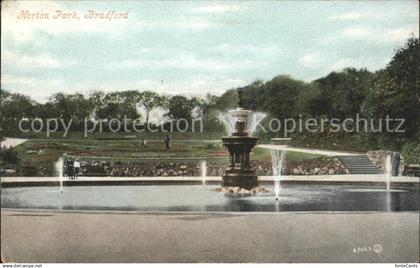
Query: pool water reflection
{"x": 202, "y": 198}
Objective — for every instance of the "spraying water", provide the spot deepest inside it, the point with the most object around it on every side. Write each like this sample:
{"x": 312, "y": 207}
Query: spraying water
{"x": 277, "y": 166}
{"x": 255, "y": 121}
{"x": 388, "y": 170}
{"x": 203, "y": 171}
{"x": 59, "y": 172}
{"x": 229, "y": 121}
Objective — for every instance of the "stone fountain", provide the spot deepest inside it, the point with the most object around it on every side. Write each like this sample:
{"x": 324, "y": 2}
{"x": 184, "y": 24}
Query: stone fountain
{"x": 239, "y": 173}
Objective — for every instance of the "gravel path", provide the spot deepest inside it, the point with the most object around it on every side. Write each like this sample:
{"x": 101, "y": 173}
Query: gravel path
{"x": 303, "y": 150}
{"x": 45, "y": 236}
{"x": 12, "y": 142}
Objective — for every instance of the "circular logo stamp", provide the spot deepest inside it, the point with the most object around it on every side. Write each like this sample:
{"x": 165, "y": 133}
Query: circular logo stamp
{"x": 377, "y": 248}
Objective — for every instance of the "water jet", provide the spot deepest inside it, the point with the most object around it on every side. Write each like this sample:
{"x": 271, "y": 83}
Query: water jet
{"x": 59, "y": 171}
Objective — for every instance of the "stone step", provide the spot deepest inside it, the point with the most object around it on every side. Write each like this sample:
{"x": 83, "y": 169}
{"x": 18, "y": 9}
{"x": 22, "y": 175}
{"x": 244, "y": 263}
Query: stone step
{"x": 364, "y": 172}
{"x": 361, "y": 168}
{"x": 359, "y": 164}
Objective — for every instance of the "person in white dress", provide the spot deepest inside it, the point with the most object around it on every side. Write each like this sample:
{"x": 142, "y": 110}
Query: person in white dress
{"x": 76, "y": 167}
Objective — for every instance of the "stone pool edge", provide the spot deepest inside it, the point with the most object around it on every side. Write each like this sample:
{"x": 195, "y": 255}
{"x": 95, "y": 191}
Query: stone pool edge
{"x": 350, "y": 179}
{"x": 192, "y": 212}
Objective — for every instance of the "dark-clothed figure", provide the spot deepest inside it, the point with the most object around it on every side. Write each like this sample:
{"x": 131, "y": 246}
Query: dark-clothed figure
{"x": 167, "y": 141}
{"x": 69, "y": 166}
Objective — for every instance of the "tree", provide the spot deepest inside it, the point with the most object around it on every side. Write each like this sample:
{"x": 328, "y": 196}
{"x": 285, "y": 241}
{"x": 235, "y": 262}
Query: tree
{"x": 339, "y": 94}
{"x": 4, "y": 95}
{"x": 120, "y": 105}
{"x": 117, "y": 110}
{"x": 202, "y": 106}
{"x": 97, "y": 98}
{"x": 180, "y": 107}
{"x": 151, "y": 100}
{"x": 16, "y": 106}
{"x": 228, "y": 100}
{"x": 44, "y": 111}
{"x": 278, "y": 96}
{"x": 396, "y": 93}
{"x": 72, "y": 106}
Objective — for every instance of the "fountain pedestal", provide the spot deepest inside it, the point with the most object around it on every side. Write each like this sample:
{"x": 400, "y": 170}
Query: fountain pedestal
{"x": 239, "y": 173}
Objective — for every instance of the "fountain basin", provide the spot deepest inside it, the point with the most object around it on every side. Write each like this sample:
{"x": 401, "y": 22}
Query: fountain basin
{"x": 182, "y": 198}
{"x": 343, "y": 179}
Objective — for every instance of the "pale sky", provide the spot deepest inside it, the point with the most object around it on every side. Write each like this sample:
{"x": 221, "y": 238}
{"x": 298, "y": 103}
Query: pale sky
{"x": 195, "y": 47}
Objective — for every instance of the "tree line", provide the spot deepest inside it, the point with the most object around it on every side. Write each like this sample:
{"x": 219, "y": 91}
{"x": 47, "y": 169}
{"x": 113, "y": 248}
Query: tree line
{"x": 131, "y": 105}
{"x": 392, "y": 91}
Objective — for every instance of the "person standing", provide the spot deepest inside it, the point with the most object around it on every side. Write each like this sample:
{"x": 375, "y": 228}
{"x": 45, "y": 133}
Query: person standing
{"x": 167, "y": 141}
{"x": 76, "y": 168}
{"x": 69, "y": 166}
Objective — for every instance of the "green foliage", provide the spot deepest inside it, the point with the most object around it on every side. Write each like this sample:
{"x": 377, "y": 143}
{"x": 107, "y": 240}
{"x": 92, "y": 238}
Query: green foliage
{"x": 75, "y": 107}
{"x": 9, "y": 156}
{"x": 117, "y": 110}
{"x": 396, "y": 91}
{"x": 13, "y": 107}
{"x": 181, "y": 107}
{"x": 151, "y": 100}
{"x": 228, "y": 100}
{"x": 210, "y": 146}
{"x": 339, "y": 94}
{"x": 279, "y": 96}
{"x": 393, "y": 91}
{"x": 411, "y": 153}
{"x": 117, "y": 104}
{"x": 211, "y": 121}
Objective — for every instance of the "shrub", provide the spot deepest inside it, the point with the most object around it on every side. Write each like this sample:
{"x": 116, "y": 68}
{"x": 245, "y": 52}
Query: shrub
{"x": 210, "y": 146}
{"x": 411, "y": 153}
{"x": 9, "y": 156}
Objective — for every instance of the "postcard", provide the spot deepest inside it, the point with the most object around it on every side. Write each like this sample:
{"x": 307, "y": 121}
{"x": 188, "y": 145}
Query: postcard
{"x": 210, "y": 132}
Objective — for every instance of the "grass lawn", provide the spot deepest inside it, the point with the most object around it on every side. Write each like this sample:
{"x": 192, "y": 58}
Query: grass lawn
{"x": 44, "y": 152}
{"x": 265, "y": 154}
{"x": 79, "y": 135}
{"x": 48, "y": 151}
